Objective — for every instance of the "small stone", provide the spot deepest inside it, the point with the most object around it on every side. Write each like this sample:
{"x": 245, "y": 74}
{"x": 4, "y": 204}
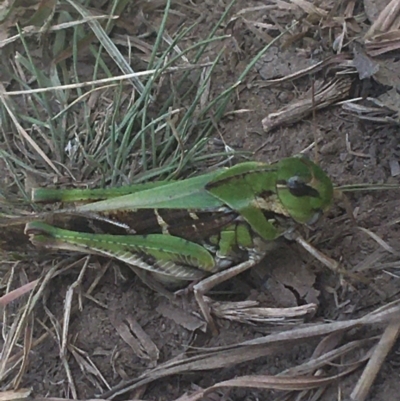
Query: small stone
{"x": 394, "y": 167}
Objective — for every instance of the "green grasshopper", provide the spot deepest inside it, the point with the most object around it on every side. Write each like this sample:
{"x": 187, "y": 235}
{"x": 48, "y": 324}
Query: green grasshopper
{"x": 217, "y": 224}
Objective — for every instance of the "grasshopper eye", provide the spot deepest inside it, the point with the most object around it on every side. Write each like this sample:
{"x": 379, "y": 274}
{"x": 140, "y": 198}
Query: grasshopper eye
{"x": 297, "y": 187}
{"x": 303, "y": 188}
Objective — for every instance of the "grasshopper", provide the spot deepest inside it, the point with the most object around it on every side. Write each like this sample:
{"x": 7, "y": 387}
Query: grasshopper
{"x": 208, "y": 228}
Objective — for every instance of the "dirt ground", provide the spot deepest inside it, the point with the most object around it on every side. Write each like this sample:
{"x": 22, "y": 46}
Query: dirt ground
{"x": 287, "y": 277}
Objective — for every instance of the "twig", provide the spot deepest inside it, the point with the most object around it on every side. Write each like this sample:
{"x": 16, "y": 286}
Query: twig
{"x": 384, "y": 346}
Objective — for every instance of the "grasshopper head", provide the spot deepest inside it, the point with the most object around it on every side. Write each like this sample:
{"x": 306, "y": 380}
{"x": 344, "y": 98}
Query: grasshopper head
{"x": 303, "y": 189}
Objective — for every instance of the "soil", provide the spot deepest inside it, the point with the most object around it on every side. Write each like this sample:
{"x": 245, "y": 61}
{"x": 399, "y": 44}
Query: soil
{"x": 96, "y": 331}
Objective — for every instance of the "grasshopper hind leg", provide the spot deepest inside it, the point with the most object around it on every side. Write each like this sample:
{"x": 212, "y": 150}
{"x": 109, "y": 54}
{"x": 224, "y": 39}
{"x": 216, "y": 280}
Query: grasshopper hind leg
{"x": 201, "y": 288}
{"x": 152, "y": 282}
